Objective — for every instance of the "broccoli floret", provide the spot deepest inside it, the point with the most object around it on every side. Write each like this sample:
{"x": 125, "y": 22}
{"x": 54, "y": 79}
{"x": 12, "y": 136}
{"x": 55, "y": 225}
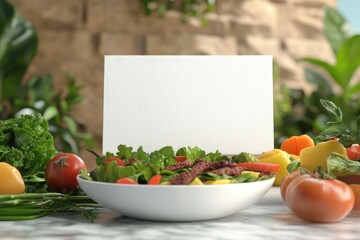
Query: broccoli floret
{"x": 244, "y": 157}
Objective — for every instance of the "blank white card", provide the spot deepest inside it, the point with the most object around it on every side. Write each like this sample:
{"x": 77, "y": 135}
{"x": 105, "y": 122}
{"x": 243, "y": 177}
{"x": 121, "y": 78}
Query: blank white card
{"x": 220, "y": 103}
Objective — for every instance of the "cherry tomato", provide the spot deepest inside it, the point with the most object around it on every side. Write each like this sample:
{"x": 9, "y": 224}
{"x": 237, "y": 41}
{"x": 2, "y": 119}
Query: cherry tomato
{"x": 286, "y": 181}
{"x": 319, "y": 200}
{"x": 126, "y": 180}
{"x": 180, "y": 158}
{"x": 61, "y": 172}
{"x": 119, "y": 161}
{"x": 155, "y": 180}
{"x": 353, "y": 152}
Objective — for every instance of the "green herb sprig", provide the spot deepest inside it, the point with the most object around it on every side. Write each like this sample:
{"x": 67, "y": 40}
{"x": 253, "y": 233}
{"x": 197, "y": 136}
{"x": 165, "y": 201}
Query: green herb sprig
{"x": 29, "y": 206}
{"x": 337, "y": 128}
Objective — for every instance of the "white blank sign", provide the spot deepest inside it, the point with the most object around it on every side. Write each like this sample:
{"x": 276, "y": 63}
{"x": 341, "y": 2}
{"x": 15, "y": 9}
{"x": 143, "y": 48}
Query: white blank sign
{"x": 220, "y": 103}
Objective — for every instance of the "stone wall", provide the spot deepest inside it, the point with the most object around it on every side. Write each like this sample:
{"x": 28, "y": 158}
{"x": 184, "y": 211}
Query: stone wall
{"x": 74, "y": 36}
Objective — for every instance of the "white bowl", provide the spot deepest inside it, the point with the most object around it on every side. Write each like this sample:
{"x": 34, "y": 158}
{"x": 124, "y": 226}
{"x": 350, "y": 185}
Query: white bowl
{"x": 176, "y": 202}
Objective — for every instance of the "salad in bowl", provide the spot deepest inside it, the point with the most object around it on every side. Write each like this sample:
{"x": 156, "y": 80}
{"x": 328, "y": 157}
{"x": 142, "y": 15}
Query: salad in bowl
{"x": 186, "y": 185}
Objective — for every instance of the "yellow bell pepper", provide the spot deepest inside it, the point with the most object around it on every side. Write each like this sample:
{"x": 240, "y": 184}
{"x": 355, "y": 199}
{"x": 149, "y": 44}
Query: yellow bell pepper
{"x": 11, "y": 181}
{"x": 219, "y": 181}
{"x": 196, "y": 181}
{"x": 270, "y": 153}
{"x": 280, "y": 157}
{"x": 312, "y": 157}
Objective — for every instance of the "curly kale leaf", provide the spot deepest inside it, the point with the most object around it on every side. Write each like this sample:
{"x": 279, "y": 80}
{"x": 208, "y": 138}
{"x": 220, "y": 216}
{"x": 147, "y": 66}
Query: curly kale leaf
{"x": 26, "y": 143}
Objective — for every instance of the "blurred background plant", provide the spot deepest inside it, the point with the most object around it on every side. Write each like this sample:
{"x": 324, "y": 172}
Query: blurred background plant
{"x": 239, "y": 27}
{"x": 18, "y": 46}
{"x": 188, "y": 8}
{"x": 332, "y": 81}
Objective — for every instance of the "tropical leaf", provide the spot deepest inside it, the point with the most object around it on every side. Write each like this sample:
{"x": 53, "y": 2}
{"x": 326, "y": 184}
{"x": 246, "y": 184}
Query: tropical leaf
{"x": 18, "y": 45}
{"x": 336, "y": 28}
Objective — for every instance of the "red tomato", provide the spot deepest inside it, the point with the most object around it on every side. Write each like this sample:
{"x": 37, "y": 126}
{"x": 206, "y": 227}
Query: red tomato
{"x": 260, "y": 166}
{"x": 126, "y": 180}
{"x": 286, "y": 181}
{"x": 155, "y": 180}
{"x": 353, "y": 152}
{"x": 319, "y": 200}
{"x": 119, "y": 161}
{"x": 180, "y": 158}
{"x": 61, "y": 172}
{"x": 356, "y": 189}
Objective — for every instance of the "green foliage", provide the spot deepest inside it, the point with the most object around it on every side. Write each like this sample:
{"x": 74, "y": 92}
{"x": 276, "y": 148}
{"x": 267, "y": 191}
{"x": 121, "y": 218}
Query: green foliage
{"x": 37, "y": 96}
{"x": 338, "y": 129}
{"x": 25, "y": 143}
{"x": 332, "y": 81}
{"x": 18, "y": 46}
{"x": 189, "y": 8}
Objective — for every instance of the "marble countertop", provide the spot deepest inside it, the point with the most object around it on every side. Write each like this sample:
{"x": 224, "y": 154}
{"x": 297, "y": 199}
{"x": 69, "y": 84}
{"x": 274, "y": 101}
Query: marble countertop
{"x": 268, "y": 219}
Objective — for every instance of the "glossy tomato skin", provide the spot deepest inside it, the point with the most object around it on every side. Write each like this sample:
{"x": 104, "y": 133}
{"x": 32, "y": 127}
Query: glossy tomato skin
{"x": 353, "y": 152}
{"x": 356, "y": 189}
{"x": 61, "y": 172}
{"x": 286, "y": 181}
{"x": 319, "y": 200}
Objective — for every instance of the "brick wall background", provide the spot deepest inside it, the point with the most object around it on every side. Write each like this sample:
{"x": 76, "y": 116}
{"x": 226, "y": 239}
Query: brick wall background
{"x": 74, "y": 35}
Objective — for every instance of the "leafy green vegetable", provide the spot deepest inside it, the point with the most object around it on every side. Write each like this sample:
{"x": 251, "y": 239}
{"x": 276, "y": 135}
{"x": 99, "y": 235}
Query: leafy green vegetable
{"x": 181, "y": 152}
{"x": 246, "y": 177}
{"x": 111, "y": 172}
{"x": 26, "y": 143}
{"x": 167, "y": 151}
{"x": 194, "y": 153}
{"x": 340, "y": 166}
{"x": 124, "y": 152}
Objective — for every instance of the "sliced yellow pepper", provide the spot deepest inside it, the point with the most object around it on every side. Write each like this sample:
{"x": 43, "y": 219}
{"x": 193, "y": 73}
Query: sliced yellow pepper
{"x": 196, "y": 181}
{"x": 11, "y": 181}
{"x": 280, "y": 157}
{"x": 219, "y": 181}
{"x": 312, "y": 157}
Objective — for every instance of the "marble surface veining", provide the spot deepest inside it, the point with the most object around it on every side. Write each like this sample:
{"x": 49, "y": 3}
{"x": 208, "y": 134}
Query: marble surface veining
{"x": 268, "y": 219}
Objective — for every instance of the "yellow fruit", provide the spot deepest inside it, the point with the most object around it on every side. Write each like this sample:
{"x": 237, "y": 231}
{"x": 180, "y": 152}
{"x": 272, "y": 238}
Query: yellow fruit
{"x": 196, "y": 181}
{"x": 312, "y": 157}
{"x": 280, "y": 157}
{"x": 11, "y": 181}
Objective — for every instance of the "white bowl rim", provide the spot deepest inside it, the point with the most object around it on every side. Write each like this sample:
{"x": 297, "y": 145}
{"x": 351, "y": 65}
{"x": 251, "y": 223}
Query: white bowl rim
{"x": 172, "y": 186}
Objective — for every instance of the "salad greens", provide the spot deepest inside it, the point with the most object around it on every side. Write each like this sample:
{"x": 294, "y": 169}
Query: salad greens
{"x": 26, "y": 143}
{"x": 141, "y": 166}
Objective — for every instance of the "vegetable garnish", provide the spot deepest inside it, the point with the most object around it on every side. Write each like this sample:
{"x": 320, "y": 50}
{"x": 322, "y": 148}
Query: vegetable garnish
{"x": 294, "y": 144}
{"x": 26, "y": 144}
{"x": 35, "y": 205}
{"x": 261, "y": 167}
{"x": 190, "y": 165}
